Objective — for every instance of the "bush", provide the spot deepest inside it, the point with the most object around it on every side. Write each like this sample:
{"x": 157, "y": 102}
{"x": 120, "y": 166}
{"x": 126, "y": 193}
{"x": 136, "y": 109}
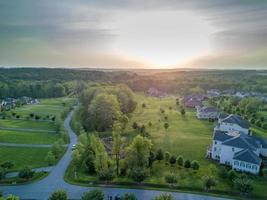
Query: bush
{"x": 128, "y": 196}
{"x": 135, "y": 125}
{"x": 172, "y": 160}
{"x": 180, "y": 160}
{"x": 26, "y": 173}
{"x": 243, "y": 185}
{"x": 258, "y": 123}
{"x": 106, "y": 175}
{"x": 12, "y": 197}
{"x": 171, "y": 179}
{"x": 195, "y": 165}
{"x": 138, "y": 174}
{"x": 159, "y": 155}
{"x": 252, "y": 121}
{"x": 231, "y": 175}
{"x": 264, "y": 126}
{"x": 187, "y": 164}
{"x": 2, "y": 173}
{"x": 167, "y": 156}
{"x": 7, "y": 165}
{"x": 164, "y": 196}
{"x": 58, "y": 195}
{"x": 50, "y": 158}
{"x": 93, "y": 195}
{"x": 208, "y": 182}
{"x": 222, "y": 172}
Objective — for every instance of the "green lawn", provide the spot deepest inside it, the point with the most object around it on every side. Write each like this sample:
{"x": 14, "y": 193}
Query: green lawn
{"x": 24, "y": 137}
{"x": 23, "y": 156}
{"x": 27, "y": 124}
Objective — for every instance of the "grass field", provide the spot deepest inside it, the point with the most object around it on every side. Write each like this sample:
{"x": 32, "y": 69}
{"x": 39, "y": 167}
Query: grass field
{"x": 23, "y": 156}
{"x": 27, "y": 124}
{"x": 24, "y": 137}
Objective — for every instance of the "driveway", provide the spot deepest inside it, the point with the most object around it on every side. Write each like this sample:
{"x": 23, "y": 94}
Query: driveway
{"x": 55, "y": 180}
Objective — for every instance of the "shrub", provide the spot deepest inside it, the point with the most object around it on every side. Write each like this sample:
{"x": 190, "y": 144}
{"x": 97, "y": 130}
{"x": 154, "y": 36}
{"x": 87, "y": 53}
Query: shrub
{"x": 195, "y": 165}
{"x": 258, "y": 123}
{"x": 187, "y": 164}
{"x": 93, "y": 195}
{"x": 264, "y": 126}
{"x": 208, "y": 182}
{"x": 172, "y": 160}
{"x": 222, "y": 172}
{"x": 243, "y": 185}
{"x": 171, "y": 178}
{"x": 106, "y": 175}
{"x": 159, "y": 155}
{"x": 164, "y": 196}
{"x": 180, "y": 160}
{"x": 231, "y": 175}
{"x": 26, "y": 173}
{"x": 167, "y": 156}
{"x": 12, "y": 197}
{"x": 135, "y": 125}
{"x": 7, "y": 165}
{"x": 128, "y": 196}
{"x": 50, "y": 158}
{"x": 2, "y": 173}
{"x": 58, "y": 195}
{"x": 138, "y": 174}
{"x": 252, "y": 121}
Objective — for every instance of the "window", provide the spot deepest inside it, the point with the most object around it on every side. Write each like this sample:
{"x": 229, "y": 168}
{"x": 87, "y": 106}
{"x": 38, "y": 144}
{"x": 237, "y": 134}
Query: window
{"x": 248, "y": 166}
{"x": 233, "y": 149}
{"x": 242, "y": 164}
{"x": 215, "y": 142}
{"x": 214, "y": 148}
{"x": 236, "y": 163}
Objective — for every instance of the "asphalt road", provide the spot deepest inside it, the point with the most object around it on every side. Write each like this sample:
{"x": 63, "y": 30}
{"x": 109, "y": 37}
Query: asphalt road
{"x": 55, "y": 180}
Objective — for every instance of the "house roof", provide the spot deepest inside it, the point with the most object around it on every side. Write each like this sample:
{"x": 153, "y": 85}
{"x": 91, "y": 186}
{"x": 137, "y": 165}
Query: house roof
{"x": 247, "y": 155}
{"x": 262, "y": 141}
{"x": 223, "y": 115}
{"x": 221, "y": 135}
{"x": 209, "y": 109}
{"x": 236, "y": 119}
{"x": 243, "y": 141}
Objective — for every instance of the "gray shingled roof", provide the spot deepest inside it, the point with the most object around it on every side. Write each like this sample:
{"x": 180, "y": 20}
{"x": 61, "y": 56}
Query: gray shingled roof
{"x": 221, "y": 135}
{"x": 243, "y": 141}
{"x": 235, "y": 119}
{"x": 209, "y": 109}
{"x": 247, "y": 155}
{"x": 223, "y": 115}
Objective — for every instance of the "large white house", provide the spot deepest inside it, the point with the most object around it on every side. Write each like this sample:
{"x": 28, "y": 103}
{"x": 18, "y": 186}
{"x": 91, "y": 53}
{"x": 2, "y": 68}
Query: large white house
{"x": 230, "y": 123}
{"x": 238, "y": 150}
{"x": 207, "y": 112}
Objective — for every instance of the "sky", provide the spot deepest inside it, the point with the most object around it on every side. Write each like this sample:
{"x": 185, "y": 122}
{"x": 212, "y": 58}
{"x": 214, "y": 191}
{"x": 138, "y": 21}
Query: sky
{"x": 133, "y": 34}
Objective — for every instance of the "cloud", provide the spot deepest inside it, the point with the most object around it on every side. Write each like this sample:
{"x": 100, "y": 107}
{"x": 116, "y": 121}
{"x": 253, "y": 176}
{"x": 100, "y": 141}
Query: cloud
{"x": 79, "y": 32}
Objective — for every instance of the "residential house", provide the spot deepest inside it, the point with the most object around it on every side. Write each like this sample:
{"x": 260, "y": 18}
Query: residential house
{"x": 231, "y": 123}
{"x": 238, "y": 150}
{"x": 155, "y": 92}
{"x": 192, "y": 101}
{"x": 213, "y": 93}
{"x": 207, "y": 112}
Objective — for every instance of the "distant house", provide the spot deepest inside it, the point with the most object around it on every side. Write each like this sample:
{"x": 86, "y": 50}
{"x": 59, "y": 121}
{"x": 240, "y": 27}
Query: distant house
{"x": 213, "y": 93}
{"x": 192, "y": 101}
{"x": 207, "y": 113}
{"x": 242, "y": 95}
{"x": 232, "y": 123}
{"x": 240, "y": 151}
{"x": 154, "y": 92}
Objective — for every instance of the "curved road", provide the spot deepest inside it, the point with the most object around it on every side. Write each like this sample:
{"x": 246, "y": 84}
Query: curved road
{"x": 55, "y": 180}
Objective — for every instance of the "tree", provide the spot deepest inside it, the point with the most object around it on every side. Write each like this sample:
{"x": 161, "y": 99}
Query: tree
{"x": 243, "y": 185}
{"x": 166, "y": 125}
{"x": 137, "y": 154}
{"x": 128, "y": 196}
{"x": 172, "y": 160}
{"x": 151, "y": 159}
{"x": 117, "y": 145}
{"x": 182, "y": 111}
{"x": 187, "y": 164}
{"x": 180, "y": 160}
{"x": 149, "y": 123}
{"x": 139, "y": 174}
{"x": 57, "y": 149}
{"x": 208, "y": 182}
{"x": 2, "y": 173}
{"x": 171, "y": 178}
{"x": 93, "y": 195}
{"x": 164, "y": 196}
{"x": 167, "y": 156}
{"x": 26, "y": 173}
{"x": 135, "y": 125}
{"x": 50, "y": 158}
{"x": 143, "y": 105}
{"x": 195, "y": 165}
{"x": 59, "y": 195}
{"x": 159, "y": 155}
